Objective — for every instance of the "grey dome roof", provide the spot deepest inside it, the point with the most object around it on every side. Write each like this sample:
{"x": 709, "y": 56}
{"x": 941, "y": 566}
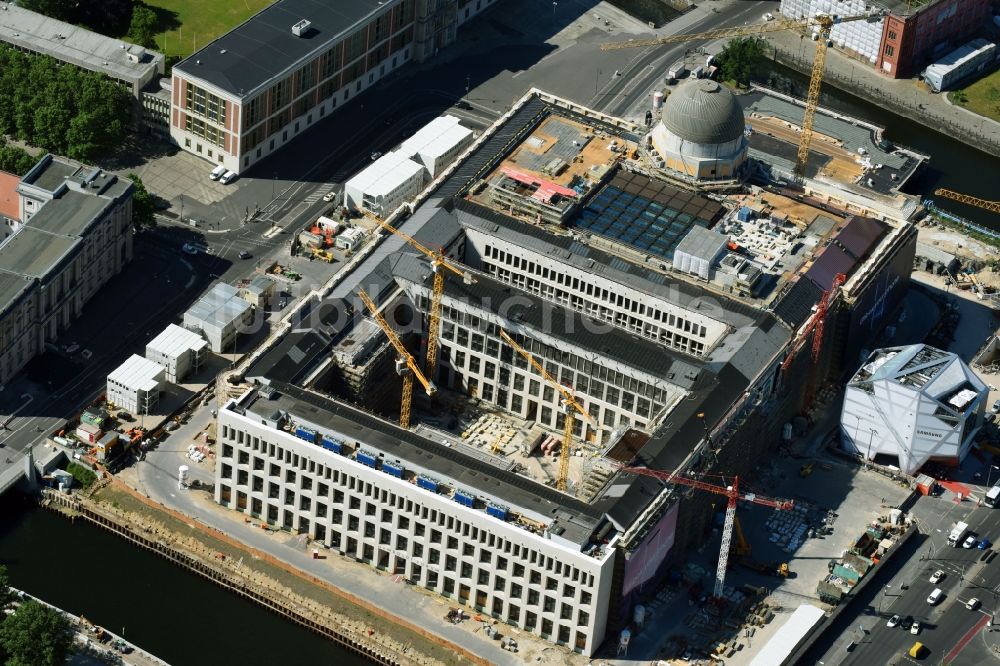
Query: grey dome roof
{"x": 702, "y": 111}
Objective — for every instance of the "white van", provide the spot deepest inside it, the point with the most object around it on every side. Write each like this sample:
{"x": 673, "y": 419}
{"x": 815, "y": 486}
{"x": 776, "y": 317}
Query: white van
{"x": 217, "y": 172}
{"x": 935, "y": 596}
{"x": 228, "y": 177}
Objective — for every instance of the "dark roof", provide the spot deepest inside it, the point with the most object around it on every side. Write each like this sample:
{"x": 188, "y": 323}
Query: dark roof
{"x": 796, "y": 303}
{"x": 35, "y": 253}
{"x": 72, "y": 214}
{"x": 302, "y": 349}
{"x": 263, "y": 47}
{"x": 447, "y": 463}
{"x": 830, "y": 263}
{"x": 860, "y": 235}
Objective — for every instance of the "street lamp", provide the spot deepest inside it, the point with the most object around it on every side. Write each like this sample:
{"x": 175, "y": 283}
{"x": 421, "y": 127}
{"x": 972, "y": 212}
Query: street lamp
{"x": 868, "y": 456}
{"x": 554, "y": 5}
{"x": 989, "y": 476}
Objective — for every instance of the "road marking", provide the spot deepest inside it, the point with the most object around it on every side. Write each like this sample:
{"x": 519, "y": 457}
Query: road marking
{"x": 969, "y": 635}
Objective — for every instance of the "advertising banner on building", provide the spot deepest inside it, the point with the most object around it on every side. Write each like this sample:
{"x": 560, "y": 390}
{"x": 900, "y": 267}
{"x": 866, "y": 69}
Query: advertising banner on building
{"x": 645, "y": 563}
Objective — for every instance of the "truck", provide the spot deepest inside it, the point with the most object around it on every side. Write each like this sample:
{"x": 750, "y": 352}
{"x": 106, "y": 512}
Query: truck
{"x": 676, "y": 71}
{"x": 958, "y": 533}
{"x": 993, "y": 495}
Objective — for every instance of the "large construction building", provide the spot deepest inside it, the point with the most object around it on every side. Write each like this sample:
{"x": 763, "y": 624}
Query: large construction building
{"x": 675, "y": 319}
{"x": 909, "y": 35}
{"x": 249, "y": 92}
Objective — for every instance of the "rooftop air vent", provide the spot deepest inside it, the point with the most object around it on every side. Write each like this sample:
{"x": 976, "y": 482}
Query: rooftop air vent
{"x": 301, "y": 28}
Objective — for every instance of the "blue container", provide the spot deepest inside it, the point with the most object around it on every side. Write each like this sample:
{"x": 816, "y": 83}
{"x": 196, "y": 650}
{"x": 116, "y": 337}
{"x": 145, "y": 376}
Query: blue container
{"x": 393, "y": 468}
{"x": 465, "y": 499}
{"x": 331, "y": 444}
{"x": 306, "y": 434}
{"x": 427, "y": 483}
{"x": 367, "y": 458}
{"x": 744, "y": 214}
{"x": 497, "y": 511}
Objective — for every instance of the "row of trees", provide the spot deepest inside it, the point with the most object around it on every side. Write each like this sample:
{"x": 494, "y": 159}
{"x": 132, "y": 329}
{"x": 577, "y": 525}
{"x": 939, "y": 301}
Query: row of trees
{"x": 63, "y": 109}
{"x": 14, "y": 159}
{"x": 33, "y": 635}
{"x": 115, "y": 18}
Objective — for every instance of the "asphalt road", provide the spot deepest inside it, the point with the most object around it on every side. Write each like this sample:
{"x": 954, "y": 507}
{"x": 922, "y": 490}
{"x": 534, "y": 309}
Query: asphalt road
{"x": 945, "y": 625}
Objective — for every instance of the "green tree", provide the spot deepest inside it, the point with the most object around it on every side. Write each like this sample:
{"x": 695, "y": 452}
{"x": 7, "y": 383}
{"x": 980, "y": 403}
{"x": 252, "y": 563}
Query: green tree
{"x": 64, "y": 10}
{"x": 742, "y": 59}
{"x": 15, "y": 160}
{"x": 35, "y": 635}
{"x": 143, "y": 208}
{"x": 142, "y": 28}
{"x": 6, "y": 595}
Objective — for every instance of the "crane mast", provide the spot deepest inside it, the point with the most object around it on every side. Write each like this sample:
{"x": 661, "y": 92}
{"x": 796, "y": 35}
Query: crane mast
{"x": 733, "y": 495}
{"x": 406, "y": 366}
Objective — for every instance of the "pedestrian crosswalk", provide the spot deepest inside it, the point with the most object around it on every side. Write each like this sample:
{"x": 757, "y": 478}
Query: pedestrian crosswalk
{"x": 317, "y": 195}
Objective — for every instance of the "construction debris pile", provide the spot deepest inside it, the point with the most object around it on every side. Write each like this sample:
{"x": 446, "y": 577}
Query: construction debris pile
{"x": 789, "y": 529}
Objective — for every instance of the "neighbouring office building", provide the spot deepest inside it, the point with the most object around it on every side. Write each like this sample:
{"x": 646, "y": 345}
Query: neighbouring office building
{"x": 909, "y": 35}
{"x": 75, "y": 234}
{"x": 251, "y": 91}
{"x": 909, "y": 405}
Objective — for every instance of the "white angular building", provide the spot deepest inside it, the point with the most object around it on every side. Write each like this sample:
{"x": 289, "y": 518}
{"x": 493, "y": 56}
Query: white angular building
{"x": 178, "y": 350}
{"x": 912, "y": 404}
{"x": 135, "y": 385}
{"x": 220, "y": 315}
{"x": 385, "y": 185}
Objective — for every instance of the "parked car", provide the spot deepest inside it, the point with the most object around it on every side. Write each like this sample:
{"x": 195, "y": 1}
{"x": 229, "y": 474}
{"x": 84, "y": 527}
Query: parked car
{"x": 189, "y": 249}
{"x": 462, "y": 104}
{"x": 969, "y": 542}
{"x": 244, "y": 254}
{"x": 228, "y": 177}
{"x": 935, "y": 596}
{"x": 937, "y": 577}
{"x": 377, "y": 155}
{"x": 915, "y": 629}
{"x": 907, "y": 622}
{"x": 768, "y": 16}
{"x": 972, "y": 604}
{"x": 984, "y": 544}
{"x": 996, "y": 406}
{"x": 217, "y": 172}
{"x": 330, "y": 196}
{"x": 893, "y": 621}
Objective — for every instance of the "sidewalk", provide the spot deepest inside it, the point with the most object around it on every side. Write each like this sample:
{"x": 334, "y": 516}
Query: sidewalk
{"x": 905, "y": 97}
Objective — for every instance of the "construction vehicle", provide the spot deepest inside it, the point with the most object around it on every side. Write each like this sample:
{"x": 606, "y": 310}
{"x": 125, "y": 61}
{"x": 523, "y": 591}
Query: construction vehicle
{"x": 323, "y": 255}
{"x": 767, "y": 569}
{"x": 992, "y": 206}
{"x": 821, "y": 25}
{"x": 733, "y": 493}
{"x": 405, "y": 365}
{"x": 438, "y": 261}
{"x": 569, "y": 405}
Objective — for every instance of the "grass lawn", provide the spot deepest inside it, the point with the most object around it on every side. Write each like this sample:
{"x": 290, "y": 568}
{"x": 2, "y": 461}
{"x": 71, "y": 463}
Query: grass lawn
{"x": 982, "y": 97}
{"x": 184, "y": 23}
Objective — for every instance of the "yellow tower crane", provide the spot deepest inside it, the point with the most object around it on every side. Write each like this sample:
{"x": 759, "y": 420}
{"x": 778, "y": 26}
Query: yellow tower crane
{"x": 821, "y": 24}
{"x": 438, "y": 261}
{"x": 569, "y": 404}
{"x": 992, "y": 206}
{"x": 405, "y": 365}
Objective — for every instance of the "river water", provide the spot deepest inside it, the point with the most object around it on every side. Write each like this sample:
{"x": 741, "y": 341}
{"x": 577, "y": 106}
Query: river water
{"x": 166, "y": 610}
{"x": 953, "y": 165}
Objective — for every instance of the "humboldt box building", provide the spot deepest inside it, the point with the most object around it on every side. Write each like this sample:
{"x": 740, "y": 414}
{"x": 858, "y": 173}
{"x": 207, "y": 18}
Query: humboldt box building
{"x": 569, "y": 243}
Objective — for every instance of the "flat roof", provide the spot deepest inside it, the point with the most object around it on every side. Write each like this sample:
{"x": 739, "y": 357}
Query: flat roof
{"x": 50, "y": 173}
{"x": 33, "y": 252}
{"x": 959, "y": 57}
{"x": 138, "y": 374}
{"x": 262, "y": 47}
{"x": 385, "y": 174}
{"x": 782, "y": 644}
{"x": 11, "y": 289}
{"x": 448, "y": 464}
{"x": 219, "y": 306}
{"x": 436, "y": 137}
{"x": 73, "y": 44}
{"x": 176, "y": 340}
{"x": 72, "y": 214}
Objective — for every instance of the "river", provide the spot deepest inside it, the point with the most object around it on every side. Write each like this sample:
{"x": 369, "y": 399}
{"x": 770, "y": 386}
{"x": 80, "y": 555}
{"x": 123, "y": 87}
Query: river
{"x": 953, "y": 165}
{"x": 166, "y": 610}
